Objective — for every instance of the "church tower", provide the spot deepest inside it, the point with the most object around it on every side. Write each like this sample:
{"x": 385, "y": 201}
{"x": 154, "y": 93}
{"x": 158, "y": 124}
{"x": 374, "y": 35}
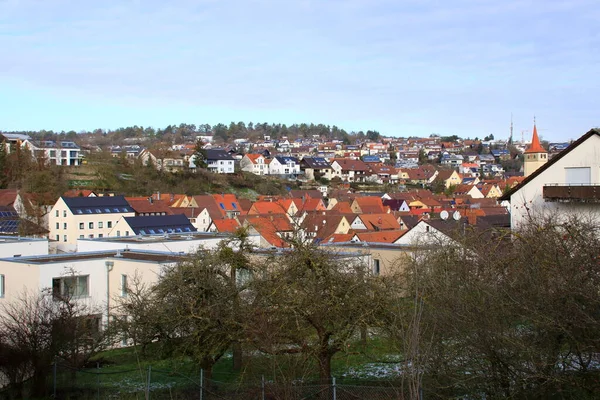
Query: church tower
{"x": 535, "y": 155}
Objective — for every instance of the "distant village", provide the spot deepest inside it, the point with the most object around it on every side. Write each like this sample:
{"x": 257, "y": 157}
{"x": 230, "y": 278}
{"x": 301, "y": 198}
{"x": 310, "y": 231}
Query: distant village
{"x": 377, "y": 199}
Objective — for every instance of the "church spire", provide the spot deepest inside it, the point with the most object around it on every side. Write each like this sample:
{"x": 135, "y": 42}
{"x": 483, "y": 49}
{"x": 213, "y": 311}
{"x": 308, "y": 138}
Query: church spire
{"x": 535, "y": 146}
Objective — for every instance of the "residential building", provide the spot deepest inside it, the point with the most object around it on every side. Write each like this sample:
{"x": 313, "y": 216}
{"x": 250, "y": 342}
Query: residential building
{"x": 349, "y": 170}
{"x": 152, "y": 225}
{"x": 220, "y": 162}
{"x": 73, "y": 218}
{"x": 55, "y": 153}
{"x": 254, "y": 163}
{"x": 315, "y": 168}
{"x": 284, "y": 165}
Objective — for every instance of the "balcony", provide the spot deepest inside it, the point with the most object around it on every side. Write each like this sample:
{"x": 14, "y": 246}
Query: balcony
{"x": 572, "y": 193}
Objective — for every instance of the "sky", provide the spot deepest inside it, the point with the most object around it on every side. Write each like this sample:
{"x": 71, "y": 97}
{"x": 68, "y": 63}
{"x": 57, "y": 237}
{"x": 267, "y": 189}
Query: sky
{"x": 401, "y": 67}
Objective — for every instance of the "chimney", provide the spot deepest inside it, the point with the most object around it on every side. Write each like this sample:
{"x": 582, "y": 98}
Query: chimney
{"x": 157, "y": 195}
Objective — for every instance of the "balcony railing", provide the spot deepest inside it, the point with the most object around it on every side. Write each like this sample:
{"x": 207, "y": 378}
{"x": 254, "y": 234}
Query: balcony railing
{"x": 572, "y": 193}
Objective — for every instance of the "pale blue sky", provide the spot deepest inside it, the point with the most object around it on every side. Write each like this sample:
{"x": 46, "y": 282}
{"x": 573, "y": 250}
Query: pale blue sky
{"x": 403, "y": 67}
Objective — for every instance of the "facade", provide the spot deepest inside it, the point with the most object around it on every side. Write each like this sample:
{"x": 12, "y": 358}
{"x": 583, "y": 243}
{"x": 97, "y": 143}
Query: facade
{"x": 349, "y": 170}
{"x": 254, "y": 163}
{"x": 55, "y": 153}
{"x": 96, "y": 280}
{"x": 284, "y": 165}
{"x": 220, "y": 162}
{"x": 568, "y": 184}
{"x": 12, "y": 246}
{"x": 74, "y": 218}
{"x": 316, "y": 166}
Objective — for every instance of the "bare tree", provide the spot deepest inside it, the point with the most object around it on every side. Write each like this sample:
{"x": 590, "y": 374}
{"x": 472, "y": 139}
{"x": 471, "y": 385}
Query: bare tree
{"x": 39, "y": 329}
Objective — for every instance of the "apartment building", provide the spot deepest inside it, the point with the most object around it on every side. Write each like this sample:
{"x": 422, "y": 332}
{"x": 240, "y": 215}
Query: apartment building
{"x": 74, "y": 218}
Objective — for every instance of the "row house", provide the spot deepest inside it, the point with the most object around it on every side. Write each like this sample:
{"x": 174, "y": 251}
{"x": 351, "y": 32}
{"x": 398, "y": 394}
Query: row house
{"x": 55, "y": 153}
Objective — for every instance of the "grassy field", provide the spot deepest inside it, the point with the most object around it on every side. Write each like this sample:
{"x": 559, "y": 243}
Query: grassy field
{"x": 124, "y": 372}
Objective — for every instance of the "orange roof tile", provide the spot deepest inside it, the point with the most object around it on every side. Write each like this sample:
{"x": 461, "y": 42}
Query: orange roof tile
{"x": 226, "y": 225}
{"x": 381, "y": 237}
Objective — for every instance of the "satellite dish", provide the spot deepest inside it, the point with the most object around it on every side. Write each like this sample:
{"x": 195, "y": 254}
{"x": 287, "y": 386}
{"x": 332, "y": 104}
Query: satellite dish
{"x": 444, "y": 215}
{"x": 456, "y": 215}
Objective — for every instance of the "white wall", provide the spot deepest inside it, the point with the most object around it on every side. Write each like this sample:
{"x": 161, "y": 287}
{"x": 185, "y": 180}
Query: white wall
{"x": 174, "y": 246}
{"x": 11, "y": 246}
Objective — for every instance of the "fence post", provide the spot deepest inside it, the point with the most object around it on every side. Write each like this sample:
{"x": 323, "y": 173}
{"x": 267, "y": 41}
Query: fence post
{"x": 262, "y": 384}
{"x": 201, "y": 383}
{"x": 54, "y": 366}
{"x": 98, "y": 379}
{"x": 148, "y": 382}
{"x": 420, "y": 393}
{"x": 334, "y": 389}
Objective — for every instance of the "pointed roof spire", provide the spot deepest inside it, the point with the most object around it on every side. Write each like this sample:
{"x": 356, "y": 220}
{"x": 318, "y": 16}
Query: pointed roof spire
{"x": 535, "y": 146}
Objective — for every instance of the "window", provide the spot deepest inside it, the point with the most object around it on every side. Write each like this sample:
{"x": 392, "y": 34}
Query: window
{"x": 91, "y": 236}
{"x": 100, "y": 235}
{"x": 109, "y": 224}
{"x": 578, "y": 176}
{"x": 81, "y": 225}
{"x": 123, "y": 285}
{"x": 100, "y": 224}
{"x": 118, "y": 233}
{"x": 376, "y": 269}
{"x": 57, "y": 213}
{"x": 427, "y": 228}
{"x": 64, "y": 238}
{"x": 91, "y": 225}
{"x": 126, "y": 233}
{"x": 57, "y": 225}
{"x": 65, "y": 213}
{"x": 81, "y": 236}
{"x": 57, "y": 238}
{"x": 72, "y": 286}
{"x": 65, "y": 225}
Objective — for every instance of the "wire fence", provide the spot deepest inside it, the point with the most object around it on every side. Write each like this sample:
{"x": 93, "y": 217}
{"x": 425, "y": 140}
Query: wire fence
{"x": 157, "y": 384}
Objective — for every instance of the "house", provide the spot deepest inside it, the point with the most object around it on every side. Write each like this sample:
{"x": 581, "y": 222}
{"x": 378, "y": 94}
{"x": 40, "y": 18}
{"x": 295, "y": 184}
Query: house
{"x": 163, "y": 159}
{"x": 349, "y": 170}
{"x": 55, "y": 153}
{"x": 470, "y": 190}
{"x": 375, "y": 222}
{"x": 85, "y": 217}
{"x": 368, "y": 205}
{"x": 284, "y": 165}
{"x": 316, "y": 168}
{"x": 254, "y": 163}
{"x": 224, "y": 226}
{"x": 152, "y": 225}
{"x": 219, "y": 162}
{"x": 448, "y": 177}
{"x": 274, "y": 230}
{"x": 320, "y": 227}
{"x": 566, "y": 185}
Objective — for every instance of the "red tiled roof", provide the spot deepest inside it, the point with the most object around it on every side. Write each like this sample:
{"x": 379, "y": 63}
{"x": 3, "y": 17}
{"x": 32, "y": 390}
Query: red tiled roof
{"x": 226, "y": 225}
{"x": 141, "y": 205}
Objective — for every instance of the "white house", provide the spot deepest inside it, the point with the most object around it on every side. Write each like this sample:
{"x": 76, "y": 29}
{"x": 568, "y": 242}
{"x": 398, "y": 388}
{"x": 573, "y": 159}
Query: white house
{"x": 220, "y": 162}
{"x": 16, "y": 246}
{"x": 57, "y": 153}
{"x": 74, "y": 218}
{"x": 568, "y": 184}
{"x": 284, "y": 165}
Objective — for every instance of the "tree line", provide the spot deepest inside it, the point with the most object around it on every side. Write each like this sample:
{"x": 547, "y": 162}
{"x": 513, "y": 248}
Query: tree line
{"x": 222, "y": 132}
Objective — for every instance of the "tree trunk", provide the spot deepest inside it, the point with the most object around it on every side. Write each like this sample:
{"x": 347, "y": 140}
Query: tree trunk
{"x": 325, "y": 366}
{"x": 237, "y": 355}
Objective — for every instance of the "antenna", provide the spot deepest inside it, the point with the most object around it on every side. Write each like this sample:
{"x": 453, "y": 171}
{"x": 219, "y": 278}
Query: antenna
{"x": 510, "y": 139}
{"x": 456, "y": 215}
{"x": 444, "y": 215}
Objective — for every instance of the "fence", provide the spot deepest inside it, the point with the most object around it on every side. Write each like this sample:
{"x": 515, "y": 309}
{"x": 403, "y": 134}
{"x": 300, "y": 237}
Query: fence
{"x": 157, "y": 384}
